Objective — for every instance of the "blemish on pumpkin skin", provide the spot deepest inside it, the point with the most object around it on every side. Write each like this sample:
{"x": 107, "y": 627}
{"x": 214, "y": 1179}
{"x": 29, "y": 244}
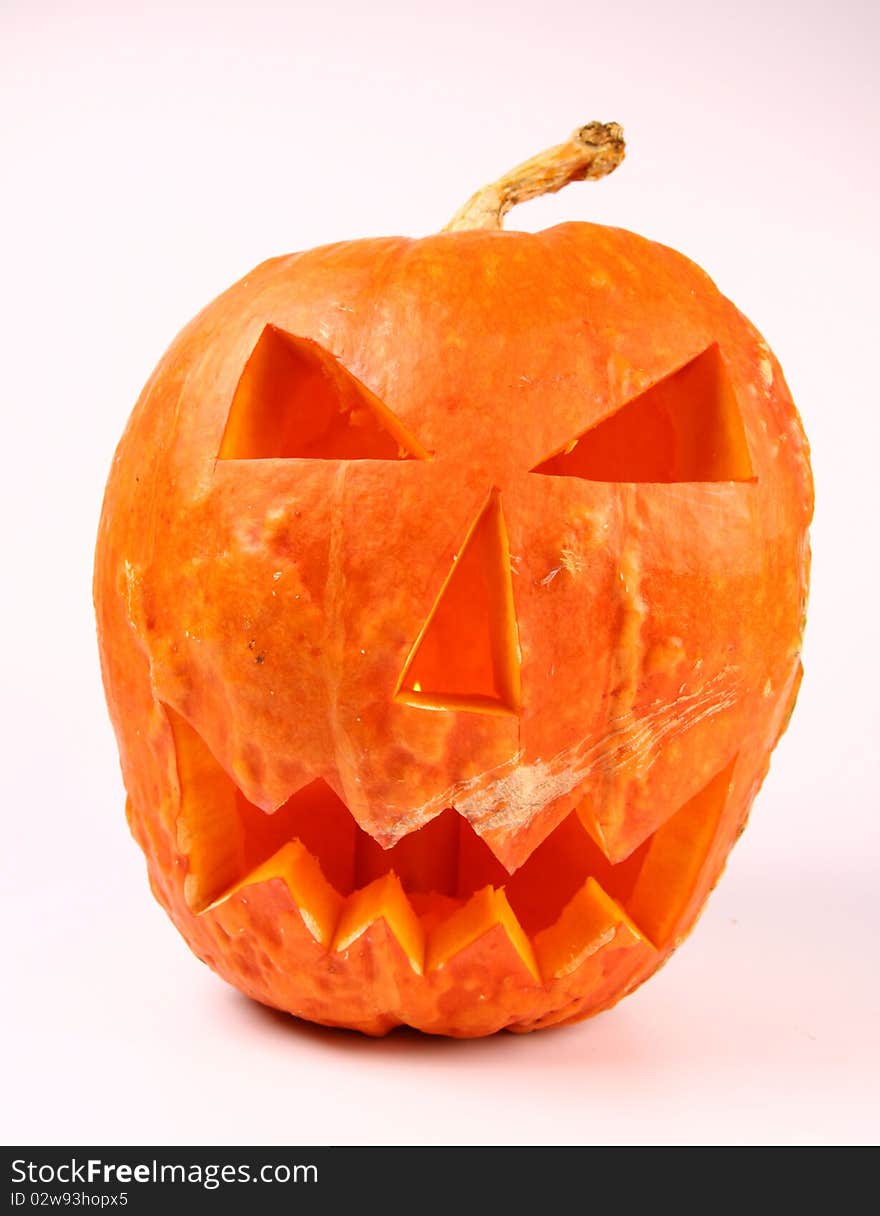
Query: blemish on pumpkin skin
{"x": 277, "y": 538}
{"x": 130, "y": 586}
{"x": 510, "y": 795}
{"x": 629, "y": 660}
{"x": 248, "y": 767}
{"x": 664, "y": 656}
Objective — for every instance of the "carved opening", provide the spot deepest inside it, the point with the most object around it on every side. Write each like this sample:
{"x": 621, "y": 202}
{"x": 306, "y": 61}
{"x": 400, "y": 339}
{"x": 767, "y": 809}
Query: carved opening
{"x": 467, "y": 654}
{"x": 295, "y": 400}
{"x": 441, "y": 886}
{"x": 686, "y": 427}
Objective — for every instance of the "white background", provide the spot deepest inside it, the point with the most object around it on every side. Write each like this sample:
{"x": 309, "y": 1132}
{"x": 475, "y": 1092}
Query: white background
{"x": 154, "y": 153}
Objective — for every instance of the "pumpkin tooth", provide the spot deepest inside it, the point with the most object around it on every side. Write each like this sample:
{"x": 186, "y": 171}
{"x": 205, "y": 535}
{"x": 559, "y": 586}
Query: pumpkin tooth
{"x": 485, "y": 910}
{"x": 318, "y": 903}
{"x": 621, "y": 816}
{"x": 676, "y": 858}
{"x": 226, "y": 839}
{"x": 426, "y": 860}
{"x": 384, "y": 899}
{"x": 589, "y": 921}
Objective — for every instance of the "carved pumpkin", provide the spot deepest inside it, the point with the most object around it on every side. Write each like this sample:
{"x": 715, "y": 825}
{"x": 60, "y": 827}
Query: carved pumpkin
{"x": 450, "y": 595}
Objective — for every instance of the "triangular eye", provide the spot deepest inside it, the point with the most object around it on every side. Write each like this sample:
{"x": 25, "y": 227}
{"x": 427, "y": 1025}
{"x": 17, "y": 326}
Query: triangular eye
{"x": 295, "y": 400}
{"x": 687, "y": 427}
{"x": 467, "y": 654}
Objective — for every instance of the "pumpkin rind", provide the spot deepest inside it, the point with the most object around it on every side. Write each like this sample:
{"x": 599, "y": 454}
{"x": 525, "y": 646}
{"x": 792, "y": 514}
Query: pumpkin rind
{"x": 272, "y": 605}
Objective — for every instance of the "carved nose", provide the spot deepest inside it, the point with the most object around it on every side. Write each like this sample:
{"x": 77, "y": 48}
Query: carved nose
{"x": 466, "y": 655}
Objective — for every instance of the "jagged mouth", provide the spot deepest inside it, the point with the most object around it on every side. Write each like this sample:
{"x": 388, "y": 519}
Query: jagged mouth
{"x": 440, "y": 888}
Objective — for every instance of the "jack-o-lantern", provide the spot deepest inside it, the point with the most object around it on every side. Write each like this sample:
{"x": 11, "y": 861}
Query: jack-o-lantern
{"x": 450, "y": 595}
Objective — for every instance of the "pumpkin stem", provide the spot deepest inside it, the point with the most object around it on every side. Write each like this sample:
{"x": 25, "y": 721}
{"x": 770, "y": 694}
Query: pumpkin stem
{"x": 591, "y": 152}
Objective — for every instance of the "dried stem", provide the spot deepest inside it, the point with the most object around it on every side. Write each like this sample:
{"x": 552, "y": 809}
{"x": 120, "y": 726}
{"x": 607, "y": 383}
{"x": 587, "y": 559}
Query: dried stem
{"x": 592, "y": 152}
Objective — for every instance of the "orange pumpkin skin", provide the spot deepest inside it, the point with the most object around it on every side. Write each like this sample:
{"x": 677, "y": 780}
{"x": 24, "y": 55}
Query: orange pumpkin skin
{"x": 287, "y": 780}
